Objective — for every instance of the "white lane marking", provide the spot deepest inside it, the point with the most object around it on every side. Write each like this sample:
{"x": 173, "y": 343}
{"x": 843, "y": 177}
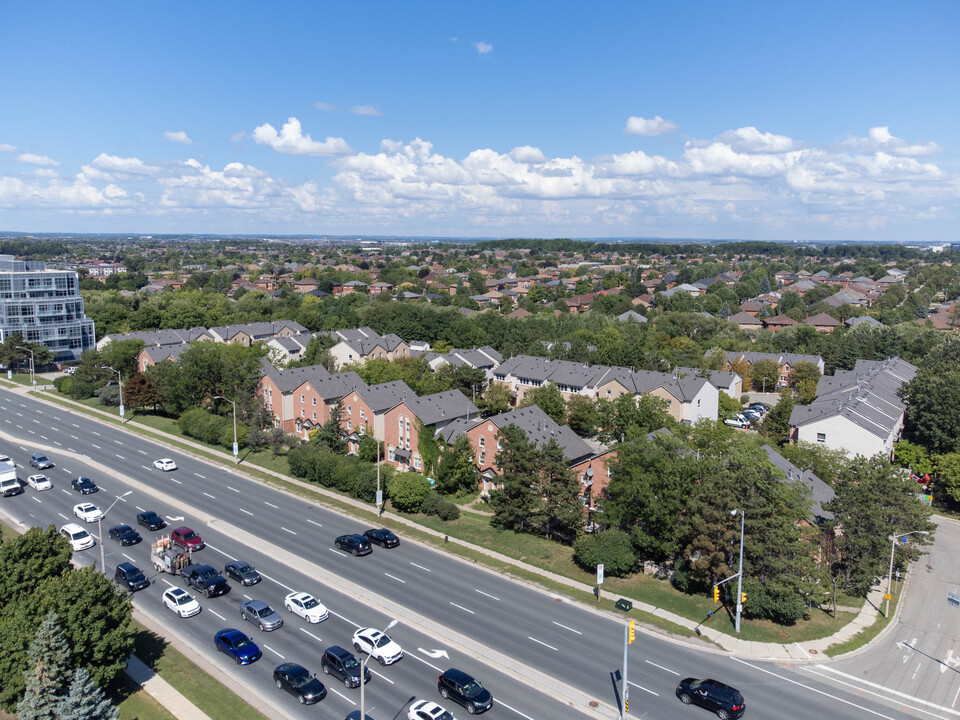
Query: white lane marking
{"x": 859, "y": 686}
{"x": 311, "y": 635}
{"x": 284, "y": 529}
{"x": 94, "y": 432}
{"x": 219, "y": 615}
{"x": 463, "y": 608}
{"x": 335, "y": 551}
{"x": 313, "y": 523}
{"x": 97, "y": 447}
{"x": 118, "y": 442}
{"x": 333, "y": 690}
{"x": 421, "y": 567}
{"x": 71, "y": 449}
{"x": 145, "y": 468}
{"x": 245, "y": 511}
{"x": 200, "y": 476}
{"x": 274, "y": 580}
{"x": 57, "y": 444}
{"x": 503, "y": 704}
{"x": 31, "y": 432}
{"x": 75, "y": 425}
{"x": 349, "y": 621}
{"x": 567, "y": 628}
{"x": 142, "y": 452}
{"x": 641, "y": 687}
{"x": 169, "y": 583}
{"x": 275, "y": 507}
{"x": 802, "y": 650}
{"x": 36, "y": 499}
{"x": 64, "y": 517}
{"x": 954, "y": 703}
{"x": 74, "y": 437}
{"x": 140, "y": 508}
{"x": 210, "y": 496}
{"x": 810, "y": 687}
{"x": 492, "y": 597}
{"x": 395, "y": 578}
{"x": 44, "y": 437}
{"x": 383, "y": 677}
{"x": 233, "y": 489}
{"x": 226, "y": 555}
{"x": 665, "y": 669}
{"x": 428, "y": 664}
{"x": 176, "y": 481}
{"x": 129, "y": 558}
{"x": 120, "y": 456}
{"x": 19, "y": 414}
{"x": 541, "y": 642}
{"x": 65, "y": 491}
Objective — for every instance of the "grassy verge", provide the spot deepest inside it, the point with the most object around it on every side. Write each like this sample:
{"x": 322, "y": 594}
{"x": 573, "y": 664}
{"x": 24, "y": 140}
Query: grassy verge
{"x": 136, "y": 704}
{"x": 870, "y": 632}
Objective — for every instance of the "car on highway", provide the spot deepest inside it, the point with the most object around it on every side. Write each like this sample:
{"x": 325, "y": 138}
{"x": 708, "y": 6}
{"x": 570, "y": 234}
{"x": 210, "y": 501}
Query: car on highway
{"x": 88, "y": 512}
{"x": 150, "y": 520}
{"x": 463, "y": 689}
{"x": 353, "y": 544}
{"x": 427, "y": 710}
{"x": 40, "y": 461}
{"x": 39, "y": 482}
{"x": 306, "y": 606}
{"x": 382, "y": 537}
{"x": 261, "y": 615}
{"x": 241, "y": 571}
{"x": 344, "y": 666}
{"x": 299, "y": 682}
{"x": 186, "y": 538}
{"x": 78, "y": 538}
{"x": 206, "y": 580}
{"x": 130, "y": 577}
{"x": 377, "y": 645}
{"x": 165, "y": 464}
{"x": 725, "y": 701}
{"x": 181, "y": 602}
{"x": 235, "y": 644}
{"x": 83, "y": 485}
{"x": 125, "y": 535}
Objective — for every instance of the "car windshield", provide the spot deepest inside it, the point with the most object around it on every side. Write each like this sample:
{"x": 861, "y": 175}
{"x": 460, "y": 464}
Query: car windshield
{"x": 695, "y": 684}
{"x": 383, "y": 640}
{"x": 207, "y": 574}
{"x": 310, "y": 603}
{"x": 351, "y": 662}
{"x": 79, "y": 535}
{"x": 241, "y": 642}
{"x": 184, "y": 599}
{"x": 189, "y": 535}
{"x": 123, "y": 529}
{"x": 299, "y": 678}
{"x": 151, "y": 517}
{"x": 244, "y": 569}
{"x": 445, "y": 716}
{"x": 264, "y": 612}
{"x": 472, "y": 688}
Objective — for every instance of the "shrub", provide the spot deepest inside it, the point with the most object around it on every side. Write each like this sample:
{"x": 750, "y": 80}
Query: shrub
{"x": 782, "y": 605}
{"x": 448, "y": 511}
{"x": 612, "y": 548}
{"x": 257, "y": 439}
{"x": 63, "y": 383}
{"x": 109, "y": 396}
{"x": 80, "y": 390}
{"x": 408, "y": 490}
{"x": 431, "y": 503}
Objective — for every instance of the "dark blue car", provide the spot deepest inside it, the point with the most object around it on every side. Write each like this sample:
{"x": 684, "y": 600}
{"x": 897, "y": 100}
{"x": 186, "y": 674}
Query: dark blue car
{"x": 353, "y": 544}
{"x": 235, "y": 644}
{"x": 84, "y": 486}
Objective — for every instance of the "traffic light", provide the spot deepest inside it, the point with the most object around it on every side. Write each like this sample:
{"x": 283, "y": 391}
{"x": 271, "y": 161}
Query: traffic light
{"x": 743, "y": 598}
{"x": 631, "y": 631}
{"x": 716, "y": 593}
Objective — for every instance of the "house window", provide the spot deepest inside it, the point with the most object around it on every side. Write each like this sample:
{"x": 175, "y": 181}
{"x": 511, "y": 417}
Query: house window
{"x": 348, "y": 426}
{"x": 391, "y": 456}
{"x": 417, "y": 462}
{"x": 314, "y": 416}
{"x": 314, "y": 402}
{"x": 608, "y": 393}
{"x": 698, "y": 403}
{"x": 483, "y": 459}
{"x": 349, "y": 410}
{"x": 821, "y": 437}
{"x": 362, "y": 414}
{"x": 303, "y": 413}
{"x": 482, "y": 441}
{"x": 301, "y": 398}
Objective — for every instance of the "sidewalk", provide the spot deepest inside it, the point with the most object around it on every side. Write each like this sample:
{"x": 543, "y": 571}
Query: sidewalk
{"x": 162, "y": 691}
{"x": 796, "y": 652}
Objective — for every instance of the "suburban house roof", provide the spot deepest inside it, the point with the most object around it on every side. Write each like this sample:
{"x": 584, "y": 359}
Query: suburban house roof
{"x": 160, "y": 337}
{"x": 745, "y": 318}
{"x": 781, "y": 358}
{"x": 820, "y": 492}
{"x": 631, "y": 316}
{"x": 164, "y": 352}
{"x": 822, "y": 320}
{"x": 718, "y": 378}
{"x": 442, "y": 406}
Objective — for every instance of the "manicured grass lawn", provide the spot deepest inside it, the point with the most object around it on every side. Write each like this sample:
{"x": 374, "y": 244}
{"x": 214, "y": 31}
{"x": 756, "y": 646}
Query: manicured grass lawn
{"x": 136, "y": 704}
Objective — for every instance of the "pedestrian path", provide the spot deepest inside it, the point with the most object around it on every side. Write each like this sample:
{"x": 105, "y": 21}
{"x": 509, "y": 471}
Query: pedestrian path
{"x": 162, "y": 691}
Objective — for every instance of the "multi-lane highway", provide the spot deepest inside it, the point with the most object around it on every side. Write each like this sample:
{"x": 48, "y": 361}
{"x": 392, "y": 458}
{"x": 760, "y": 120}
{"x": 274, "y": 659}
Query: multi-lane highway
{"x": 542, "y": 655}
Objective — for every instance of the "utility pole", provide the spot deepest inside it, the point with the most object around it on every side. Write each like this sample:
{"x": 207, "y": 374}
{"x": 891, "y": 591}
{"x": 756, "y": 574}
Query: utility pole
{"x": 740, "y": 575}
{"x": 629, "y": 630}
{"x": 379, "y": 491}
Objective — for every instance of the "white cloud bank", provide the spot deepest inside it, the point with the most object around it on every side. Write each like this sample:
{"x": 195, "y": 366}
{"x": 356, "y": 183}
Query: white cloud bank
{"x": 291, "y": 140}
{"x": 40, "y": 160}
{"x": 649, "y": 127}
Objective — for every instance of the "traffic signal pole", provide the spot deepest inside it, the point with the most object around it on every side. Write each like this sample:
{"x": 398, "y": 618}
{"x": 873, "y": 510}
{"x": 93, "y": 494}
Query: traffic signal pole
{"x": 629, "y": 632}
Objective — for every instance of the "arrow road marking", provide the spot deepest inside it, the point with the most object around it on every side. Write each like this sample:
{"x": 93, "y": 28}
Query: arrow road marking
{"x": 434, "y": 653}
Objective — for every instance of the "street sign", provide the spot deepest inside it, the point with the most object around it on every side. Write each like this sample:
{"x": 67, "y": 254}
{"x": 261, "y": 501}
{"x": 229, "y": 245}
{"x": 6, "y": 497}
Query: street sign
{"x": 236, "y": 449}
{"x": 380, "y": 499}
{"x": 600, "y": 574}
{"x": 887, "y": 596}
{"x": 121, "y": 411}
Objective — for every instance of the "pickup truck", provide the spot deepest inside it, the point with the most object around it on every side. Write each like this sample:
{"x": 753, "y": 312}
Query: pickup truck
{"x": 206, "y": 580}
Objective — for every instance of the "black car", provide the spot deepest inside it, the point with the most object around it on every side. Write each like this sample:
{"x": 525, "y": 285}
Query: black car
{"x": 125, "y": 535}
{"x": 40, "y": 461}
{"x": 456, "y": 685}
{"x": 343, "y": 665}
{"x": 206, "y": 580}
{"x": 298, "y": 681}
{"x": 725, "y": 701}
{"x": 150, "y": 520}
{"x": 353, "y": 544}
{"x": 83, "y": 485}
{"x": 382, "y": 537}
{"x": 131, "y": 577}
{"x": 243, "y": 572}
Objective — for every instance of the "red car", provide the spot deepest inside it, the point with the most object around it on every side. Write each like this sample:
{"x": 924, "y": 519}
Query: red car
{"x": 186, "y": 538}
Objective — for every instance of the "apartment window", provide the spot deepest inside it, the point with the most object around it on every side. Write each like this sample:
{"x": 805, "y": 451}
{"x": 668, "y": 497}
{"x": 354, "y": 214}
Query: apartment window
{"x": 301, "y": 398}
{"x": 314, "y": 402}
{"x": 400, "y": 427}
{"x": 417, "y": 462}
{"x": 303, "y": 413}
{"x": 608, "y": 393}
{"x": 821, "y": 437}
{"x": 391, "y": 456}
{"x": 314, "y": 416}
{"x": 349, "y": 410}
{"x": 483, "y": 459}
{"x": 482, "y": 441}
{"x": 362, "y": 413}
{"x": 348, "y": 426}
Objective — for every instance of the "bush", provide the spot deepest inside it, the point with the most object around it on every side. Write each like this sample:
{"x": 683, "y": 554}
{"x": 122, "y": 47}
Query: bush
{"x": 207, "y": 427}
{"x": 257, "y": 439}
{"x": 63, "y": 383}
{"x": 109, "y": 396}
{"x": 782, "y": 605}
{"x": 431, "y": 503}
{"x": 80, "y": 390}
{"x": 408, "y": 490}
{"x": 448, "y": 511}
{"x": 612, "y": 548}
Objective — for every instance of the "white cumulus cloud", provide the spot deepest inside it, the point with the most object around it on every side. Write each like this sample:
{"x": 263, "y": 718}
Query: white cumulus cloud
{"x": 527, "y": 154}
{"x": 178, "y": 136}
{"x": 291, "y": 140}
{"x": 749, "y": 139}
{"x": 880, "y": 138}
{"x": 482, "y": 47}
{"x": 648, "y": 127}
{"x": 365, "y": 110}
{"x": 41, "y": 160}
{"x": 4, "y": 147}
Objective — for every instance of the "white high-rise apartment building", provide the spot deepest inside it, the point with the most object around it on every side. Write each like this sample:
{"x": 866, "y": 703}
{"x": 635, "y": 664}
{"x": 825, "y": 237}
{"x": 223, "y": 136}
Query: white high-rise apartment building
{"x": 44, "y": 307}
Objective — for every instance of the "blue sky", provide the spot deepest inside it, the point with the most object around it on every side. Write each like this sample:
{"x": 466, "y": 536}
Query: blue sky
{"x": 788, "y": 121}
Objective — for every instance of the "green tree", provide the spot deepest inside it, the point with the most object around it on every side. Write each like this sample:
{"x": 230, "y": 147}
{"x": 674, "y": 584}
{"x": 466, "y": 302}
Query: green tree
{"x": 122, "y": 355}
{"x": 86, "y": 701}
{"x": 367, "y": 449}
{"x": 948, "y": 474}
{"x": 562, "y": 512}
{"x": 548, "y": 398}
{"x": 776, "y": 423}
{"x": 46, "y": 679}
{"x": 30, "y": 559}
{"x": 913, "y": 457}
{"x": 330, "y": 434}
{"x": 582, "y": 415}
{"x": 171, "y": 387}
{"x": 496, "y": 399}
{"x": 803, "y": 380}
{"x": 933, "y": 398}
{"x": 611, "y": 548}
{"x": 457, "y": 475}
{"x": 765, "y": 375}
{"x": 407, "y": 491}
{"x": 517, "y": 501}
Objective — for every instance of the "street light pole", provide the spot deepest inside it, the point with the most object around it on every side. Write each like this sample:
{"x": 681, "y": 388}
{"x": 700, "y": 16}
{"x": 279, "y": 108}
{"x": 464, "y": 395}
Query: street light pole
{"x": 363, "y": 670}
{"x": 379, "y": 492}
{"x": 236, "y": 447}
{"x": 103, "y": 567}
{"x": 120, "y": 385}
{"x": 33, "y": 377}
{"x": 739, "y": 572}
{"x": 893, "y": 549}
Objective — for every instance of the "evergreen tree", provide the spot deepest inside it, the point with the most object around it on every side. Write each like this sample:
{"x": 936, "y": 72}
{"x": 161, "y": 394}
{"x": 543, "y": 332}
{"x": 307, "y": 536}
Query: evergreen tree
{"x": 331, "y": 433}
{"x": 562, "y": 511}
{"x": 86, "y": 701}
{"x": 724, "y": 311}
{"x": 764, "y": 285}
{"x": 46, "y": 679}
{"x": 518, "y": 501}
{"x": 457, "y": 474}
{"x": 776, "y": 424}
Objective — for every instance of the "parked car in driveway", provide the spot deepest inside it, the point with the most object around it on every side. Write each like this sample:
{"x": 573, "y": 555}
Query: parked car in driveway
{"x": 125, "y": 535}
{"x": 344, "y": 666}
{"x": 353, "y": 544}
{"x": 235, "y": 644}
{"x": 463, "y": 689}
{"x": 39, "y": 482}
{"x": 377, "y": 645}
{"x": 725, "y": 701}
{"x": 181, "y": 602}
{"x": 243, "y": 572}
{"x": 382, "y": 537}
{"x": 40, "y": 461}
{"x": 88, "y": 512}
{"x": 150, "y": 520}
{"x": 261, "y": 615}
{"x": 738, "y": 421}
{"x": 299, "y": 682}
{"x": 186, "y": 538}
{"x": 306, "y": 606}
{"x": 83, "y": 485}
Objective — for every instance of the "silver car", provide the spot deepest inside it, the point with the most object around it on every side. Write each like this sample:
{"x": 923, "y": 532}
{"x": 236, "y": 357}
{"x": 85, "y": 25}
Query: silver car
{"x": 261, "y": 615}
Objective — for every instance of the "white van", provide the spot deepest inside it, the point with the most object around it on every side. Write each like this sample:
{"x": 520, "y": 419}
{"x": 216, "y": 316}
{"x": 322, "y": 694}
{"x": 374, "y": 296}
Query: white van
{"x": 78, "y": 538}
{"x": 10, "y": 486}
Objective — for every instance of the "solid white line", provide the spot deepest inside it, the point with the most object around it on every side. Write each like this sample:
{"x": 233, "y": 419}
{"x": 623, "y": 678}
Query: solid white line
{"x": 199, "y": 475}
{"x": 567, "y": 628}
{"x": 120, "y": 456}
{"x": 345, "y": 697}
{"x": 809, "y": 687}
{"x": 312, "y": 522}
{"x": 210, "y": 496}
{"x": 492, "y": 597}
{"x": 383, "y": 677}
{"x": 421, "y": 567}
{"x": 274, "y": 651}
{"x": 347, "y": 620}
{"x": 665, "y": 669}
{"x": 463, "y": 608}
{"x": 417, "y": 657}
{"x": 802, "y": 650}
{"x": 541, "y": 642}
{"x": 245, "y": 511}
{"x": 503, "y": 704}
{"x": 282, "y": 528}
{"x": 227, "y": 555}
{"x": 311, "y": 635}
{"x": 641, "y": 687}
{"x": 288, "y": 589}
{"x": 275, "y": 507}
{"x": 397, "y": 579}
{"x": 234, "y": 489}
{"x": 860, "y": 682}
{"x": 219, "y": 615}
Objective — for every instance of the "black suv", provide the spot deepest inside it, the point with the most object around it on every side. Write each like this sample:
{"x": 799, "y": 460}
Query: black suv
{"x": 343, "y": 665}
{"x": 150, "y": 520}
{"x": 354, "y": 544}
{"x": 206, "y": 580}
{"x": 130, "y": 577}
{"x": 461, "y": 688}
{"x": 725, "y": 701}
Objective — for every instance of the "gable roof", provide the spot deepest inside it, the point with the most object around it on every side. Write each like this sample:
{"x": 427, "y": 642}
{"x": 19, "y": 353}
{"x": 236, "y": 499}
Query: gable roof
{"x": 820, "y": 492}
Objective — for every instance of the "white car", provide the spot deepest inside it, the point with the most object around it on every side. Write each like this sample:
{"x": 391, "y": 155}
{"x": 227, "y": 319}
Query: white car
{"x": 39, "y": 482}
{"x": 78, "y": 538}
{"x": 427, "y": 710}
{"x": 166, "y": 464}
{"x": 181, "y": 602}
{"x": 377, "y": 645}
{"x": 88, "y": 512}
{"x": 306, "y": 606}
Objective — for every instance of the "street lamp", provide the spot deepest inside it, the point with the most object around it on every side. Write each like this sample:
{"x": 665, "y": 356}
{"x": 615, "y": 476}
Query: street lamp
{"x": 363, "y": 670}
{"x": 740, "y": 571}
{"x": 379, "y": 491}
{"x": 893, "y": 549}
{"x": 236, "y": 447}
{"x": 119, "y": 384}
{"x": 103, "y": 567}
{"x": 33, "y": 378}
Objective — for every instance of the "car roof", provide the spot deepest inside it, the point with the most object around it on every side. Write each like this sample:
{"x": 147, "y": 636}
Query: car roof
{"x": 121, "y": 527}
{"x": 231, "y": 633}
{"x": 338, "y": 651}
{"x": 73, "y": 528}
{"x": 458, "y": 676}
{"x": 255, "y": 604}
{"x": 125, "y": 566}
{"x": 176, "y": 591}
{"x": 148, "y": 512}
{"x": 300, "y": 596}
{"x": 183, "y": 529}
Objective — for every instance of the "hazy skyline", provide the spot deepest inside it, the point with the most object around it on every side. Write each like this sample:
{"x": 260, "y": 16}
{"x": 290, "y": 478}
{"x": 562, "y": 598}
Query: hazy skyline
{"x": 698, "y": 120}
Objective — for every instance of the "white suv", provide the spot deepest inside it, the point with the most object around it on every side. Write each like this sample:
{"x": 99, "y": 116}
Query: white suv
{"x": 79, "y": 538}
